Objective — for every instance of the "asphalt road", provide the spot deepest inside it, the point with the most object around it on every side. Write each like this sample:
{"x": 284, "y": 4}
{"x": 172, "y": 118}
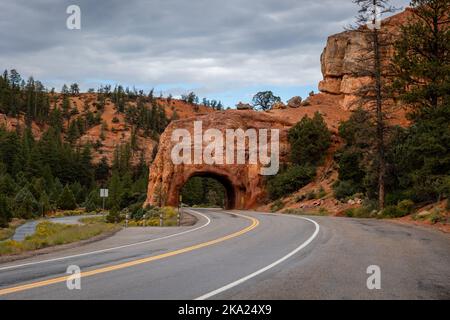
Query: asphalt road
{"x": 244, "y": 255}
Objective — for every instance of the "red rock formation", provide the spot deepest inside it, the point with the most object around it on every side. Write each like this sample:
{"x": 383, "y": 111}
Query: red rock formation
{"x": 340, "y": 57}
{"x": 244, "y": 183}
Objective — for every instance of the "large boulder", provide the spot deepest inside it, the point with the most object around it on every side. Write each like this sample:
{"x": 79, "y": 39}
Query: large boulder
{"x": 295, "y": 102}
{"x": 279, "y": 106}
{"x": 244, "y": 106}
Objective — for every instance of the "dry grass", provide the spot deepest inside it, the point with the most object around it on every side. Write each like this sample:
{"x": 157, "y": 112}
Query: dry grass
{"x": 170, "y": 219}
{"x": 51, "y": 234}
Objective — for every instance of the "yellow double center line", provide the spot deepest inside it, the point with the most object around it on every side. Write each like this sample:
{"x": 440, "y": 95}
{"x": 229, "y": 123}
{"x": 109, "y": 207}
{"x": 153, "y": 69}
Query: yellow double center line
{"x": 133, "y": 263}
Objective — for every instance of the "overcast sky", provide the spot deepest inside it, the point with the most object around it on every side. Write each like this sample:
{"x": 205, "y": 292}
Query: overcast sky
{"x": 220, "y": 49}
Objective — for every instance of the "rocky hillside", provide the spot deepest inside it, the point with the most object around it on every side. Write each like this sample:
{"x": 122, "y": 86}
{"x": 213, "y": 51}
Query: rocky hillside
{"x": 111, "y": 127}
{"x": 335, "y": 104}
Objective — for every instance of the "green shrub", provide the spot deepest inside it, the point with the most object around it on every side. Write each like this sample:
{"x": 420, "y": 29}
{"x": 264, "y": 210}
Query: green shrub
{"x": 437, "y": 216}
{"x": 350, "y": 213}
{"x": 405, "y": 206}
{"x": 297, "y": 211}
{"x": 290, "y": 181}
{"x": 311, "y": 195}
{"x": 361, "y": 212}
{"x": 402, "y": 209}
{"x": 396, "y": 196}
{"x": 137, "y": 210}
{"x": 345, "y": 189}
{"x": 169, "y": 213}
{"x": 392, "y": 212}
{"x": 322, "y": 193}
{"x": 152, "y": 215}
{"x": 113, "y": 215}
{"x": 277, "y": 206}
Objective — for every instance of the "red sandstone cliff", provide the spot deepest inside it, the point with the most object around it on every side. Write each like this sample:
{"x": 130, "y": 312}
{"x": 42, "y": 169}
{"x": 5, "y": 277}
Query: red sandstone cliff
{"x": 340, "y": 57}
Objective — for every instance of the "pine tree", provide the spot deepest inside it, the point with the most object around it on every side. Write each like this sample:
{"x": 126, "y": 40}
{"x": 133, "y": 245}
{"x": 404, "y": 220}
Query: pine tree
{"x": 66, "y": 109}
{"x": 422, "y": 58}
{"x": 93, "y": 201}
{"x": 25, "y": 204}
{"x": 44, "y": 204}
{"x": 5, "y": 211}
{"x": 74, "y": 89}
{"x": 309, "y": 139}
{"x": 115, "y": 190}
{"x": 421, "y": 154}
{"x": 102, "y": 170}
{"x": 73, "y": 132}
{"x": 66, "y": 200}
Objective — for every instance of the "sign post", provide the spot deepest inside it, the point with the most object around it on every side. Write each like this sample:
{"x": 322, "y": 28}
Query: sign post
{"x": 127, "y": 216}
{"x": 180, "y": 204}
{"x": 104, "y": 193}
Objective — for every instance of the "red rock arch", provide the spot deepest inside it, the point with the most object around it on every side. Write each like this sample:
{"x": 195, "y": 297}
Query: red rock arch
{"x": 244, "y": 182}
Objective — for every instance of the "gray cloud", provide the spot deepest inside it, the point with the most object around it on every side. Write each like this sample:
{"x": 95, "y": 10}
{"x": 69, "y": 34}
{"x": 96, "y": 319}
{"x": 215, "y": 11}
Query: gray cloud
{"x": 214, "y": 45}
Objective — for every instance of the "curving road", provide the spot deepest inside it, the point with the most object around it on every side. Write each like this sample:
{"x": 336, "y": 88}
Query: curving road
{"x": 244, "y": 255}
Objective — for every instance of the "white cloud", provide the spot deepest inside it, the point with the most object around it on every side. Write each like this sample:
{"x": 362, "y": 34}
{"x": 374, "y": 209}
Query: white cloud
{"x": 211, "y": 44}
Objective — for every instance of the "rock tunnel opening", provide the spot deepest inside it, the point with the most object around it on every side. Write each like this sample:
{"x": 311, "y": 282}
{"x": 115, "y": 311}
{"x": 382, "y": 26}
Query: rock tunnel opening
{"x": 209, "y": 189}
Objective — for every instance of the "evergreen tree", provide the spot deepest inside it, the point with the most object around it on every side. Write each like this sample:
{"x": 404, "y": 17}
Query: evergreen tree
{"x": 66, "y": 200}
{"x": 74, "y": 89}
{"x": 73, "y": 132}
{"x": 309, "y": 139}
{"x": 115, "y": 190}
{"x": 421, "y": 154}
{"x": 5, "y": 211}
{"x": 422, "y": 59}
{"x": 93, "y": 201}
{"x": 44, "y": 204}
{"x": 25, "y": 204}
{"x": 102, "y": 170}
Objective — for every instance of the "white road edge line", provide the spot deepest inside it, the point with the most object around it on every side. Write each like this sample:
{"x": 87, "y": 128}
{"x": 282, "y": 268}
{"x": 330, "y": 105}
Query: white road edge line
{"x": 254, "y": 274}
{"x": 110, "y": 249}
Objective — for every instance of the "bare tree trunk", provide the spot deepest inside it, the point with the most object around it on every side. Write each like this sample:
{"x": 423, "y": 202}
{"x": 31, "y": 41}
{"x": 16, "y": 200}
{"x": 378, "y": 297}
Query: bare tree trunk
{"x": 379, "y": 122}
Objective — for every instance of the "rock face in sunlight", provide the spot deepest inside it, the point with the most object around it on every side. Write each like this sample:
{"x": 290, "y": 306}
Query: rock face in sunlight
{"x": 340, "y": 57}
{"x": 243, "y": 182}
